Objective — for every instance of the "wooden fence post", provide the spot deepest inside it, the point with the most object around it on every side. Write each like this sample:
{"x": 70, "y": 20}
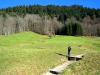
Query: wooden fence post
{"x": 69, "y": 52}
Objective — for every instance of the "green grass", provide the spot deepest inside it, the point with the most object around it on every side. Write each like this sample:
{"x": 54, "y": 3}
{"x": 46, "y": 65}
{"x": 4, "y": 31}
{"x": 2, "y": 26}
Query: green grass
{"x": 90, "y": 65}
{"x": 29, "y": 53}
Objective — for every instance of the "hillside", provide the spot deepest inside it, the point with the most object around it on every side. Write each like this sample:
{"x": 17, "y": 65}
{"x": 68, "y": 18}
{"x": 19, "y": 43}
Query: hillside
{"x": 29, "y": 53}
{"x": 50, "y": 20}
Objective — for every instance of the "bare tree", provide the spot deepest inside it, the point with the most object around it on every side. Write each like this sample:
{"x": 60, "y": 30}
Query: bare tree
{"x": 1, "y": 24}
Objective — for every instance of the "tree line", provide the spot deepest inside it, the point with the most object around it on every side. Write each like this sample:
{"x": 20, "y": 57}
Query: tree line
{"x": 63, "y": 20}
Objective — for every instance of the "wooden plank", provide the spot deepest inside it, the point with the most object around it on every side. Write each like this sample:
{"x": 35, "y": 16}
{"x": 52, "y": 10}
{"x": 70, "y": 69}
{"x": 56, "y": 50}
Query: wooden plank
{"x": 60, "y": 68}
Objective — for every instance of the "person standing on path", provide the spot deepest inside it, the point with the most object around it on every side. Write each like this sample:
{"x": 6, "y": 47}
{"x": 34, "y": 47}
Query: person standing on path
{"x": 69, "y": 52}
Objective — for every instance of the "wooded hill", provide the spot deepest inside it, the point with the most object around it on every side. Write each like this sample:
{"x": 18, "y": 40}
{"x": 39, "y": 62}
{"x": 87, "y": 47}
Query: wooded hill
{"x": 50, "y": 20}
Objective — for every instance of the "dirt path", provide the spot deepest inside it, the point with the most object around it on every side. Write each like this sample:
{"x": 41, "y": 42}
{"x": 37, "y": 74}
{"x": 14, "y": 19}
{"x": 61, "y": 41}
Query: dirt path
{"x": 60, "y": 68}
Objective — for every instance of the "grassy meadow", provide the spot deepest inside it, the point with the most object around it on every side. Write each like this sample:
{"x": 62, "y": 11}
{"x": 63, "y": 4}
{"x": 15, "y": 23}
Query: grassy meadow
{"x": 29, "y": 53}
{"x": 90, "y": 65}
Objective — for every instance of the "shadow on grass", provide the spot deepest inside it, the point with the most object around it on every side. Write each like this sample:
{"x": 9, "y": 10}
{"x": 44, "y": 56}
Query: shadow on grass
{"x": 61, "y": 54}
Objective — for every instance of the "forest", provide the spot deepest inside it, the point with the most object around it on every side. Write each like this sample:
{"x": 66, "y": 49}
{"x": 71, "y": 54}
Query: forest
{"x": 72, "y": 20}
